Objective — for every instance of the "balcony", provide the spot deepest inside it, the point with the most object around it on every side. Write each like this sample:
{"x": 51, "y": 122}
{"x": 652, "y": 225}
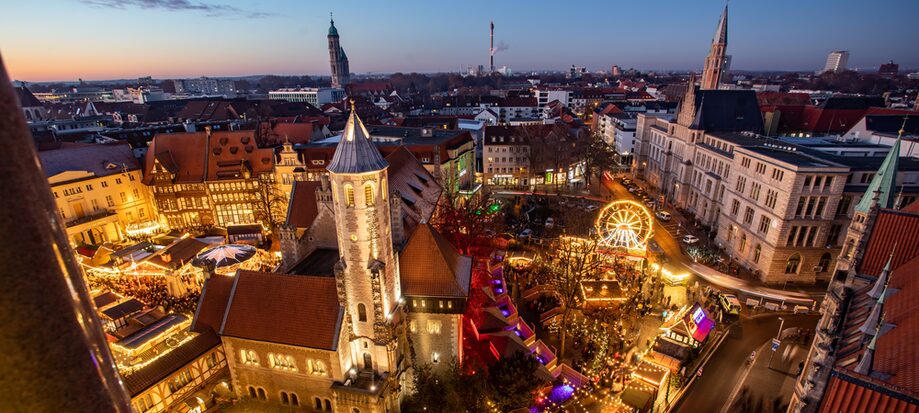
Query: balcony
{"x": 102, "y": 215}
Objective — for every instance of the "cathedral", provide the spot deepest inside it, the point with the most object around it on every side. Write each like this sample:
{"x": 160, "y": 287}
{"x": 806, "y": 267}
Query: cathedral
{"x": 341, "y": 73}
{"x": 367, "y": 289}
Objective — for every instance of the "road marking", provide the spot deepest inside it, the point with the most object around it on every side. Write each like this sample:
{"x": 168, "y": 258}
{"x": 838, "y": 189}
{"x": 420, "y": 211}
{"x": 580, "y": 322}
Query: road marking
{"x": 743, "y": 379}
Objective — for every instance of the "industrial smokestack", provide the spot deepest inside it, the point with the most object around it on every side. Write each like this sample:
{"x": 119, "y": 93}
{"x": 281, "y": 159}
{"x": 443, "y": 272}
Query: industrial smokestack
{"x": 491, "y": 49}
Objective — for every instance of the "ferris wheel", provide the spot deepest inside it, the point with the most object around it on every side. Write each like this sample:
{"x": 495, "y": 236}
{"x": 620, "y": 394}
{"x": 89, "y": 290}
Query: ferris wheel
{"x": 624, "y": 225}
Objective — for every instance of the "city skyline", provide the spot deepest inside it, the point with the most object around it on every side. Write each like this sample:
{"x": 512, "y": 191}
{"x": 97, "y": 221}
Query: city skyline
{"x": 229, "y": 37}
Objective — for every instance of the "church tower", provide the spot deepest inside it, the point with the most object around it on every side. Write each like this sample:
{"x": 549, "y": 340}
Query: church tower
{"x": 716, "y": 60}
{"x": 881, "y": 193}
{"x": 368, "y": 271}
{"x": 337, "y": 59}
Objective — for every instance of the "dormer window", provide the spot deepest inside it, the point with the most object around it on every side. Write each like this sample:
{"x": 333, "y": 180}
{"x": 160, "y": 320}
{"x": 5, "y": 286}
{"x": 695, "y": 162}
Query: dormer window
{"x": 111, "y": 165}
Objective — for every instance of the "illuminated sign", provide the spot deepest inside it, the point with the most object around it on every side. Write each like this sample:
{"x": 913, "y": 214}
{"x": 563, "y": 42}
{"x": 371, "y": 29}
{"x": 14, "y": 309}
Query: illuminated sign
{"x": 698, "y": 323}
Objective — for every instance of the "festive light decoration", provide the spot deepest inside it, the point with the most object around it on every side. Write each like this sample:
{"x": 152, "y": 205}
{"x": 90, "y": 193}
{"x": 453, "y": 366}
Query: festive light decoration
{"x": 625, "y": 227}
{"x": 142, "y": 229}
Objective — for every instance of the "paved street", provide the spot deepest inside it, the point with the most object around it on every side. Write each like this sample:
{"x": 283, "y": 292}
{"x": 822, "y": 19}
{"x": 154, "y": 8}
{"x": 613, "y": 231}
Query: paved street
{"x": 713, "y": 389}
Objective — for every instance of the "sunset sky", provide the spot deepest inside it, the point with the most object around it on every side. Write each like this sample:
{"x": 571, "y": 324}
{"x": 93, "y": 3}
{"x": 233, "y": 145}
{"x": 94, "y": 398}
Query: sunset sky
{"x": 43, "y": 40}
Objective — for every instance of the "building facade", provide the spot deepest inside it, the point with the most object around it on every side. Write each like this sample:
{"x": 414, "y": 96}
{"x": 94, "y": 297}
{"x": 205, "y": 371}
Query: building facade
{"x": 99, "y": 191}
{"x": 312, "y": 95}
{"x": 836, "y": 61}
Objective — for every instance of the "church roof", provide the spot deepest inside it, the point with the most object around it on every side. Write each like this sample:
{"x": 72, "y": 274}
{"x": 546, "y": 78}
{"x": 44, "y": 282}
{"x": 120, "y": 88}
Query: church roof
{"x": 727, "y": 111}
{"x": 296, "y": 310}
{"x": 26, "y": 98}
{"x": 417, "y": 188}
{"x": 355, "y": 152}
{"x": 332, "y": 30}
{"x": 892, "y": 230}
{"x": 884, "y": 182}
{"x": 721, "y": 33}
{"x": 303, "y": 208}
{"x": 429, "y": 266}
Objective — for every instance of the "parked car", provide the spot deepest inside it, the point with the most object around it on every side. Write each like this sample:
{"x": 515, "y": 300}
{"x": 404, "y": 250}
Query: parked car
{"x": 591, "y": 208}
{"x": 663, "y": 215}
{"x": 729, "y": 303}
{"x": 526, "y": 234}
{"x": 801, "y": 309}
{"x": 550, "y": 222}
{"x": 690, "y": 239}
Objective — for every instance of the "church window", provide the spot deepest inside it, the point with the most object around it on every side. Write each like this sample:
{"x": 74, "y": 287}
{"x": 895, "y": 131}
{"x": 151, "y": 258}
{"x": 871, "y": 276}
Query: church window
{"x": 757, "y": 252}
{"x": 434, "y": 326}
{"x": 791, "y": 266}
{"x": 349, "y": 195}
{"x": 328, "y": 405}
{"x": 252, "y": 393}
{"x": 361, "y": 312}
{"x": 248, "y": 357}
{"x": 281, "y": 362}
{"x": 368, "y": 194}
{"x": 317, "y": 403}
{"x": 285, "y": 400}
{"x": 261, "y": 394}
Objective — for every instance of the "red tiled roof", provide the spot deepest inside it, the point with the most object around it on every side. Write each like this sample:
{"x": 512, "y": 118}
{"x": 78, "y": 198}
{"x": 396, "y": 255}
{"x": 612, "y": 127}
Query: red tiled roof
{"x": 297, "y": 310}
{"x": 844, "y": 395}
{"x": 230, "y": 151}
{"x": 429, "y": 266}
{"x": 195, "y": 157}
{"x": 892, "y": 228}
{"x": 897, "y": 353}
{"x": 212, "y": 304}
{"x": 178, "y": 253}
{"x": 183, "y": 154}
{"x": 303, "y": 208}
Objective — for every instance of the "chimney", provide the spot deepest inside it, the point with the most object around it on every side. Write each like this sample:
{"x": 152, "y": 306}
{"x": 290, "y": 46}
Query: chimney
{"x": 491, "y": 49}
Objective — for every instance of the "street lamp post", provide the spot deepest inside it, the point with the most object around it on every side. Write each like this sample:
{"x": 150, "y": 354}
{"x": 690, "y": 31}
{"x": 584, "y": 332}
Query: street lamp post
{"x": 777, "y": 337}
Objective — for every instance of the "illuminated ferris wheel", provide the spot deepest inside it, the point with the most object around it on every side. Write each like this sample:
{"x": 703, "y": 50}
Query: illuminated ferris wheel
{"x": 624, "y": 225}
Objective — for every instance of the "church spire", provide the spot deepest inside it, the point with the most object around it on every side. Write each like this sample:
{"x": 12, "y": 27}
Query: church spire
{"x": 721, "y": 33}
{"x": 880, "y": 286}
{"x": 883, "y": 186}
{"x": 716, "y": 59}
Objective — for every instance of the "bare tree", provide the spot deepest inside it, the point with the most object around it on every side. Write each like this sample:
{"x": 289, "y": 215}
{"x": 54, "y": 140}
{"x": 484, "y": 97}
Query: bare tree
{"x": 569, "y": 261}
{"x": 270, "y": 203}
{"x": 466, "y": 220}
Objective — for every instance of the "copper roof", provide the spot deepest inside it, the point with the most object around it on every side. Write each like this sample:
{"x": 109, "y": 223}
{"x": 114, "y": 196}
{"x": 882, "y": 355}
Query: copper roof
{"x": 303, "y": 208}
{"x": 355, "y": 153}
{"x": 429, "y": 266}
{"x": 297, "y": 310}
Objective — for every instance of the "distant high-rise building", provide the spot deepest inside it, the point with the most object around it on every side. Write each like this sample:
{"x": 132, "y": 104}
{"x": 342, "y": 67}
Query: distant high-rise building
{"x": 715, "y": 63}
{"x": 836, "y": 61}
{"x": 341, "y": 74}
{"x": 889, "y": 69}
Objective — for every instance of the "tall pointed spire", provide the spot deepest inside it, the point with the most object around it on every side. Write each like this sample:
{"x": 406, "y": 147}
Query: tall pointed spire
{"x": 716, "y": 59}
{"x": 884, "y": 184}
{"x": 332, "y": 30}
{"x": 721, "y": 33}
{"x": 865, "y": 365}
{"x": 355, "y": 152}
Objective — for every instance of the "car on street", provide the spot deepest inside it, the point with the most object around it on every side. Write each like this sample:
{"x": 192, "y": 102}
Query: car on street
{"x": 729, "y": 303}
{"x": 591, "y": 208}
{"x": 550, "y": 222}
{"x": 690, "y": 239}
{"x": 663, "y": 215}
{"x": 526, "y": 234}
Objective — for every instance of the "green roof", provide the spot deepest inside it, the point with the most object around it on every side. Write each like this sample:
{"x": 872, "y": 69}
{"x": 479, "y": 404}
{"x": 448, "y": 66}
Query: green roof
{"x": 884, "y": 182}
{"x": 332, "y": 30}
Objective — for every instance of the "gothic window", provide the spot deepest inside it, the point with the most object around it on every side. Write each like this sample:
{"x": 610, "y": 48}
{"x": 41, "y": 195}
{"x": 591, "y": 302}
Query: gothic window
{"x": 824, "y": 262}
{"x": 349, "y": 195}
{"x": 793, "y": 263}
{"x": 361, "y": 312}
{"x": 368, "y": 194}
{"x": 850, "y": 246}
{"x": 743, "y": 243}
{"x": 757, "y": 252}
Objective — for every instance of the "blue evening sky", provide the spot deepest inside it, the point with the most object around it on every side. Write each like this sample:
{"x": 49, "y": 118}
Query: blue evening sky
{"x": 101, "y": 39}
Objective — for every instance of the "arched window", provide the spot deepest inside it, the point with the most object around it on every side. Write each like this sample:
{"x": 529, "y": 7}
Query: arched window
{"x": 317, "y": 403}
{"x": 361, "y": 313}
{"x": 368, "y": 194}
{"x": 757, "y": 252}
{"x": 850, "y": 246}
{"x": 824, "y": 262}
{"x": 252, "y": 392}
{"x": 793, "y": 263}
{"x": 328, "y": 405}
{"x": 284, "y": 398}
{"x": 383, "y": 189}
{"x": 294, "y": 400}
{"x": 248, "y": 357}
{"x": 261, "y": 394}
{"x": 743, "y": 242}
{"x": 349, "y": 195}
